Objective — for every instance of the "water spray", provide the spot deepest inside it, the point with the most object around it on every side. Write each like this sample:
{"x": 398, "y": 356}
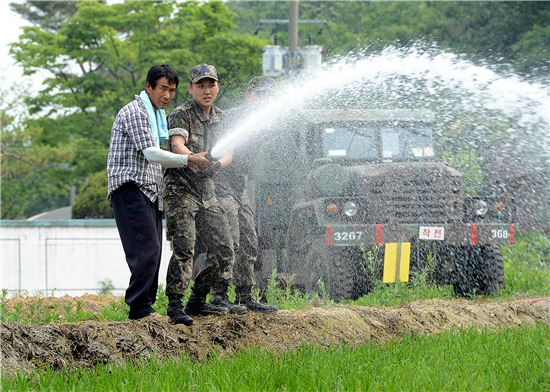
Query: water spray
{"x": 442, "y": 73}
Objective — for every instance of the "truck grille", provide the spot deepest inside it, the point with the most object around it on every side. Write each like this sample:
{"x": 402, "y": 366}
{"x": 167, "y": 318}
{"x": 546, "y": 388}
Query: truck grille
{"x": 416, "y": 200}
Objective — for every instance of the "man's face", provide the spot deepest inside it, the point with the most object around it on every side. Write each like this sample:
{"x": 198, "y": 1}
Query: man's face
{"x": 162, "y": 94}
{"x": 204, "y": 92}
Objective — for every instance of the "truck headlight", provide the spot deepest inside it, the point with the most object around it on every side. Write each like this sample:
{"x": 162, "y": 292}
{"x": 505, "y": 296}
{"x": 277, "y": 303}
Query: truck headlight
{"x": 480, "y": 207}
{"x": 350, "y": 208}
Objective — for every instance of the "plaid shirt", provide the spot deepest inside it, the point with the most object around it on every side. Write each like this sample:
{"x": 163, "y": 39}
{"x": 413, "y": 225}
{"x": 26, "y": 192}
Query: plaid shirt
{"x": 130, "y": 134}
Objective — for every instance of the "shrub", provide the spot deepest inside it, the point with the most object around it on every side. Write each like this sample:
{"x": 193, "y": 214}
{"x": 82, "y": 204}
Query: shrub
{"x": 91, "y": 202}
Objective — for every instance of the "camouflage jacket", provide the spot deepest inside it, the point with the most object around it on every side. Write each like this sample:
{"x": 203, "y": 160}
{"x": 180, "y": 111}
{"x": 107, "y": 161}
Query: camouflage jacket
{"x": 203, "y": 133}
{"x": 234, "y": 180}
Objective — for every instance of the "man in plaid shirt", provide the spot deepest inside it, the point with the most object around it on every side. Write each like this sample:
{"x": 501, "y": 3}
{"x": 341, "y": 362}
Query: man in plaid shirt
{"x": 134, "y": 169}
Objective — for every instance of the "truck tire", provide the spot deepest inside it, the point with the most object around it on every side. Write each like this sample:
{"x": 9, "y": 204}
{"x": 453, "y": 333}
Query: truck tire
{"x": 442, "y": 258}
{"x": 479, "y": 270}
{"x": 340, "y": 269}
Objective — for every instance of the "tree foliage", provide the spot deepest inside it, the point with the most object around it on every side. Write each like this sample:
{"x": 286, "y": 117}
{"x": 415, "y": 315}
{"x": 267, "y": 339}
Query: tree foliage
{"x": 91, "y": 202}
{"x": 513, "y": 32}
{"x": 97, "y": 58}
{"x": 96, "y": 55}
{"x": 49, "y": 15}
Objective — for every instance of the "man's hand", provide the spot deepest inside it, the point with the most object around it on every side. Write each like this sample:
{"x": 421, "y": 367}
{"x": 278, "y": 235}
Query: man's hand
{"x": 216, "y": 167}
{"x": 199, "y": 161}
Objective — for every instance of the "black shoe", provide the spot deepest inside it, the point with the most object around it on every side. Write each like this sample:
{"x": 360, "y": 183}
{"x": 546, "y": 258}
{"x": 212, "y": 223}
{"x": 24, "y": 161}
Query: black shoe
{"x": 222, "y": 300}
{"x": 178, "y": 316}
{"x": 176, "y": 313}
{"x": 254, "y": 306}
{"x": 198, "y": 306}
{"x": 141, "y": 312}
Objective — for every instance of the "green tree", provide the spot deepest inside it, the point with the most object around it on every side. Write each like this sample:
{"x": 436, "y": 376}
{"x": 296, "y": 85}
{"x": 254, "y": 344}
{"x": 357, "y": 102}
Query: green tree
{"x": 91, "y": 202}
{"x": 97, "y": 60}
{"x": 514, "y": 32}
{"x": 49, "y": 15}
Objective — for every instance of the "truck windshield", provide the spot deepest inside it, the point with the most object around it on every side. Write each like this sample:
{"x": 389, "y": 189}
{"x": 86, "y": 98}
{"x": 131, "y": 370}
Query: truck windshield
{"x": 350, "y": 143}
{"x": 377, "y": 143}
{"x": 406, "y": 143}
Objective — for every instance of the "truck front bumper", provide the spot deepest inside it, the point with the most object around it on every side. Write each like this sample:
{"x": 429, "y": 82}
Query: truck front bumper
{"x": 450, "y": 234}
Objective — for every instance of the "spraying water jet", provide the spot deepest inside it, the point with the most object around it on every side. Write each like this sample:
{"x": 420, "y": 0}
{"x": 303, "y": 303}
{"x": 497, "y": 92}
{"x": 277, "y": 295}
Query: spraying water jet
{"x": 389, "y": 187}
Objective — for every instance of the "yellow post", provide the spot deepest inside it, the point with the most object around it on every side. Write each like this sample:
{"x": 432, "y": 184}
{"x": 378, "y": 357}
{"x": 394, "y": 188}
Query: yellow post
{"x": 405, "y": 261}
{"x": 390, "y": 262}
{"x": 397, "y": 257}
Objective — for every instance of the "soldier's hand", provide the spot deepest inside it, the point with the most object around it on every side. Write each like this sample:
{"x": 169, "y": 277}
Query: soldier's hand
{"x": 199, "y": 161}
{"x": 216, "y": 167}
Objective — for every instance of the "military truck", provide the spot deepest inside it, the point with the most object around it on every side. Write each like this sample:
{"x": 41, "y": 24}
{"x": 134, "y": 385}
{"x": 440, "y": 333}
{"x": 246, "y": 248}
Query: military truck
{"x": 351, "y": 196}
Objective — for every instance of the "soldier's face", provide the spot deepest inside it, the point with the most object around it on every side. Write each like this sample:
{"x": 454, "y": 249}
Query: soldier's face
{"x": 204, "y": 92}
{"x": 162, "y": 94}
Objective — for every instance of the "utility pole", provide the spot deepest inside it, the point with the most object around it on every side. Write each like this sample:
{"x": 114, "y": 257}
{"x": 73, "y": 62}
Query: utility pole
{"x": 278, "y": 61}
{"x": 293, "y": 17}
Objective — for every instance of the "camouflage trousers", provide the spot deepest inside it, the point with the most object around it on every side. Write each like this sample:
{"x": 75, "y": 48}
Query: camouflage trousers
{"x": 245, "y": 243}
{"x": 245, "y": 240}
{"x": 185, "y": 220}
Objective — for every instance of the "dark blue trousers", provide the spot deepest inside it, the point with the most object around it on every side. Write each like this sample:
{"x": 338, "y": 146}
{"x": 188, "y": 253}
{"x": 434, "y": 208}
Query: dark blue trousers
{"x": 139, "y": 224}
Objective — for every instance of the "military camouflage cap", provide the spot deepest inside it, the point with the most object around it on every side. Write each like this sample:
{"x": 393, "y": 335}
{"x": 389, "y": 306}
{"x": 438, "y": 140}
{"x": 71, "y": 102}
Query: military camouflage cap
{"x": 261, "y": 84}
{"x": 202, "y": 71}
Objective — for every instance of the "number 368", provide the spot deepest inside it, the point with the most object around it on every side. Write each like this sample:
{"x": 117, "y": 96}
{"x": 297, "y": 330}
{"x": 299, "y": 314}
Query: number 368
{"x": 499, "y": 233}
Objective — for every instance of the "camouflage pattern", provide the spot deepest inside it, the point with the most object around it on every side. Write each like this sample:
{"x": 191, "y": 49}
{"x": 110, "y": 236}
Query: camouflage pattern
{"x": 192, "y": 209}
{"x": 234, "y": 192}
{"x": 245, "y": 241}
{"x": 186, "y": 220}
{"x": 203, "y": 132}
{"x": 203, "y": 71}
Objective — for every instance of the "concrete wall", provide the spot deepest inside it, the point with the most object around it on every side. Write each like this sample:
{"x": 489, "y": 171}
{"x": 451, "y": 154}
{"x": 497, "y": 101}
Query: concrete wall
{"x": 65, "y": 257}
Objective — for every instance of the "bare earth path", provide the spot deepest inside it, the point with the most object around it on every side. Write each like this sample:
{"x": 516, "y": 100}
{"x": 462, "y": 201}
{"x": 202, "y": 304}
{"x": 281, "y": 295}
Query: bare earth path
{"x": 25, "y": 348}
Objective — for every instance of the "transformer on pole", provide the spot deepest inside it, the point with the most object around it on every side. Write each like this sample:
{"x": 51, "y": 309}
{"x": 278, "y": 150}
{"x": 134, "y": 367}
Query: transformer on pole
{"x": 279, "y": 60}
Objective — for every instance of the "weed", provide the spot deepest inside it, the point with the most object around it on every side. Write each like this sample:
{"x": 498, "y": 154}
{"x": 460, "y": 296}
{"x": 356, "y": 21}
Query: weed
{"x": 527, "y": 273}
{"x": 322, "y": 291}
{"x": 271, "y": 291}
{"x": 107, "y": 287}
{"x": 372, "y": 262}
{"x": 527, "y": 266}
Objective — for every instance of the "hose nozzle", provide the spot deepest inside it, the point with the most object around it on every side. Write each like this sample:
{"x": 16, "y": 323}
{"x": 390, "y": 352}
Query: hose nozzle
{"x": 209, "y": 156}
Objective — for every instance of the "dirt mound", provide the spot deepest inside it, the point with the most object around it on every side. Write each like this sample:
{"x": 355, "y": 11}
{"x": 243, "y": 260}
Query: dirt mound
{"x": 25, "y": 348}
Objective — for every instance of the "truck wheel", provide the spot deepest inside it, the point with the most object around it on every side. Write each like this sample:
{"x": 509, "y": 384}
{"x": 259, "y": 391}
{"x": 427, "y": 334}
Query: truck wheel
{"x": 341, "y": 270}
{"x": 340, "y": 277}
{"x": 478, "y": 270}
{"x": 434, "y": 260}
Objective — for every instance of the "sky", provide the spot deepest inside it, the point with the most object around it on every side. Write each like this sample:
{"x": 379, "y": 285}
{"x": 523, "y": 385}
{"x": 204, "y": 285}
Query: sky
{"x": 11, "y": 73}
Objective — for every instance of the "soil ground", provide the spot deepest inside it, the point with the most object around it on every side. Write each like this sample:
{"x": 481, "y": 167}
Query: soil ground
{"x": 66, "y": 345}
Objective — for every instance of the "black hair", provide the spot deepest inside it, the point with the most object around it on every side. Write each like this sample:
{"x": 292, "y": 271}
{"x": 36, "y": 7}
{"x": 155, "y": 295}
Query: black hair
{"x": 159, "y": 71}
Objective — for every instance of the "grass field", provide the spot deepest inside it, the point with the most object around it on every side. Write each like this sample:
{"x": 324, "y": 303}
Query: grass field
{"x": 509, "y": 359}
{"x": 526, "y": 266}
{"x": 468, "y": 360}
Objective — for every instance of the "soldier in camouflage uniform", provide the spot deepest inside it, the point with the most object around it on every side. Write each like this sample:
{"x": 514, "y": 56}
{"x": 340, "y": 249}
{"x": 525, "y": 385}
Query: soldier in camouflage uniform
{"x": 191, "y": 206}
{"x": 233, "y": 192}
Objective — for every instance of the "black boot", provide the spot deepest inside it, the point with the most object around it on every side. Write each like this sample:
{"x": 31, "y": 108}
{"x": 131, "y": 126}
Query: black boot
{"x": 175, "y": 311}
{"x": 221, "y": 299}
{"x": 197, "y": 306}
{"x": 253, "y": 306}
